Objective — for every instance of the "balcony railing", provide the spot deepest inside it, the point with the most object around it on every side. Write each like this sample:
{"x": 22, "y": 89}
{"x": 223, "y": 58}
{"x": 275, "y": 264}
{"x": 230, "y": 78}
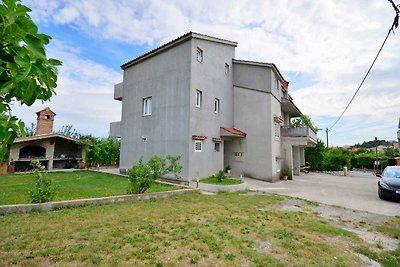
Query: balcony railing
{"x": 118, "y": 91}
{"x": 115, "y": 129}
{"x": 287, "y": 131}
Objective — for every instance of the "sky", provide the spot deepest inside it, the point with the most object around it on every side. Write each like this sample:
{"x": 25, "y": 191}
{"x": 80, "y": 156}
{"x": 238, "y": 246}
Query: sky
{"x": 323, "y": 48}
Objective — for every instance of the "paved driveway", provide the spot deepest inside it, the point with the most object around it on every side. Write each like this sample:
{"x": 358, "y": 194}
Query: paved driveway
{"x": 358, "y": 192}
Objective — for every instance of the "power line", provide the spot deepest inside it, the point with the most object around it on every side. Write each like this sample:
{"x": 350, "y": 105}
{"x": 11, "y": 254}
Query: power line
{"x": 394, "y": 26}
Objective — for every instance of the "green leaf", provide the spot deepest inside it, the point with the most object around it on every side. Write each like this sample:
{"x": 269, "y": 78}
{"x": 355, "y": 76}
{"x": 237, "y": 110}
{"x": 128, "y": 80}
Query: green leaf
{"x": 35, "y": 45}
{"x": 22, "y": 61}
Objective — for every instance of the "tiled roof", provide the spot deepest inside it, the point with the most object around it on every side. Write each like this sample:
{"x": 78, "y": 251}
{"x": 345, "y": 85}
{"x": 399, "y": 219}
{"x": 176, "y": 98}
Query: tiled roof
{"x": 218, "y": 139}
{"x": 199, "y": 137}
{"x": 45, "y": 136}
{"x": 174, "y": 42}
{"x": 46, "y": 109}
{"x": 234, "y": 131}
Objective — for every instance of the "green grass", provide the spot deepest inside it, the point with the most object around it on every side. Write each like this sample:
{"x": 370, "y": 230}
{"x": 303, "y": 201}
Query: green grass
{"x": 192, "y": 229}
{"x": 70, "y": 185}
{"x": 226, "y": 181}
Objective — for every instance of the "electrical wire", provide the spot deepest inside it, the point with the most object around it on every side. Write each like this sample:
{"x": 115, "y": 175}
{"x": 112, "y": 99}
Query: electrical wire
{"x": 394, "y": 25}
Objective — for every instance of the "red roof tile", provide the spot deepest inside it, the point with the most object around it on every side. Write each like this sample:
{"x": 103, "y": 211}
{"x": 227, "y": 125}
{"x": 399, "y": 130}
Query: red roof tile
{"x": 196, "y": 136}
{"x": 234, "y": 131}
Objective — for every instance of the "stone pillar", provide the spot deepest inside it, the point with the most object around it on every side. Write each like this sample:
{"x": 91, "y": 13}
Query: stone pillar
{"x": 50, "y": 153}
{"x": 296, "y": 160}
{"x": 302, "y": 156}
{"x": 288, "y": 159}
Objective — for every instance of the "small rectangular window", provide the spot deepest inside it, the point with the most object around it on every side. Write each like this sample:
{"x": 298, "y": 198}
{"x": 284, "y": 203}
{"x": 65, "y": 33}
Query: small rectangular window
{"x": 278, "y": 85}
{"x": 216, "y": 147}
{"x": 147, "y": 106}
{"x": 226, "y": 68}
{"x": 198, "y": 98}
{"x": 198, "y": 146}
{"x": 216, "y": 105}
{"x": 199, "y": 55}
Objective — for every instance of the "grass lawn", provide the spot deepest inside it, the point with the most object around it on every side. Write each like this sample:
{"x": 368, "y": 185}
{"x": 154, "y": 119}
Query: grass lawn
{"x": 70, "y": 185}
{"x": 193, "y": 229}
{"x": 226, "y": 181}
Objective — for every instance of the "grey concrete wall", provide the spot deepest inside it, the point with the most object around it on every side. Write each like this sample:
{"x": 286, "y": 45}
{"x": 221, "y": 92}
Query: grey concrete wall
{"x": 210, "y": 78}
{"x": 166, "y": 78}
{"x": 249, "y": 76}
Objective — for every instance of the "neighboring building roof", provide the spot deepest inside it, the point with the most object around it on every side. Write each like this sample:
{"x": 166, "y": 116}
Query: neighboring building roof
{"x": 262, "y": 64}
{"x": 45, "y": 136}
{"x": 234, "y": 131}
{"x": 46, "y": 109}
{"x": 175, "y": 42}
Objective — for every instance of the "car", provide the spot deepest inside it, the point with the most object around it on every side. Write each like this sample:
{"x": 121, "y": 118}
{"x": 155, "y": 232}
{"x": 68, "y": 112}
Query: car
{"x": 389, "y": 183}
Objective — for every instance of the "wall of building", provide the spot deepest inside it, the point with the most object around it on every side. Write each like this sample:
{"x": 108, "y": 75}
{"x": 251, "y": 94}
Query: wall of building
{"x": 209, "y": 77}
{"x": 165, "y": 77}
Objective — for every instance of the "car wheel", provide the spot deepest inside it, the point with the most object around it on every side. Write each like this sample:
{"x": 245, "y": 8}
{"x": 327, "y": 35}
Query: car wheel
{"x": 380, "y": 194}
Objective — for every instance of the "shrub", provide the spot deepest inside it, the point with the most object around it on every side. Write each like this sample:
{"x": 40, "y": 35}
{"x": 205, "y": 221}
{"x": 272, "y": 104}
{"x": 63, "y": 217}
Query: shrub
{"x": 140, "y": 177}
{"x": 220, "y": 176}
{"x": 142, "y": 174}
{"x": 44, "y": 190}
{"x": 335, "y": 159}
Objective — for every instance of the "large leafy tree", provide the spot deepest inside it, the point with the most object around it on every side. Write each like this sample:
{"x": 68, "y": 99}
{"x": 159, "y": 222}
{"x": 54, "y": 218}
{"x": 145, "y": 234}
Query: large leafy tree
{"x": 304, "y": 120}
{"x": 26, "y": 74}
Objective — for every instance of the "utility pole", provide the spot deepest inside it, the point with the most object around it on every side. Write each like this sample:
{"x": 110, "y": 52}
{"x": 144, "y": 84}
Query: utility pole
{"x": 327, "y": 137}
{"x": 376, "y": 154}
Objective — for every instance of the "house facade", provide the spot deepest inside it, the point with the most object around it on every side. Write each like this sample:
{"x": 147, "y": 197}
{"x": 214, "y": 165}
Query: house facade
{"x": 191, "y": 97}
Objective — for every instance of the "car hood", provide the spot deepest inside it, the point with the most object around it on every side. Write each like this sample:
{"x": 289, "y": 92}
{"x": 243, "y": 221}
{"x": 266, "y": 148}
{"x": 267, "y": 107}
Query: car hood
{"x": 392, "y": 182}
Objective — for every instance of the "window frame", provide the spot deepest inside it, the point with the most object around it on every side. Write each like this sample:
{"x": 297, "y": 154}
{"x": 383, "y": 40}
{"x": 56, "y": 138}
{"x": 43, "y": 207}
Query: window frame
{"x": 217, "y": 103}
{"x": 277, "y": 130}
{"x": 227, "y": 68}
{"x": 199, "y": 55}
{"x": 198, "y": 100}
{"x": 147, "y": 111}
{"x": 217, "y": 146}
{"x": 201, "y": 145}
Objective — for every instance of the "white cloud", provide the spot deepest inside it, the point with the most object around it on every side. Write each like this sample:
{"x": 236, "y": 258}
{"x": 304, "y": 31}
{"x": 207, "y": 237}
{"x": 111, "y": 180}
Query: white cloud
{"x": 84, "y": 96}
{"x": 334, "y": 41}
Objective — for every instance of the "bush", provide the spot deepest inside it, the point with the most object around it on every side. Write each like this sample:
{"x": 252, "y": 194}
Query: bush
{"x": 220, "y": 176}
{"x": 44, "y": 190}
{"x": 335, "y": 159}
{"x": 142, "y": 174}
{"x": 140, "y": 177}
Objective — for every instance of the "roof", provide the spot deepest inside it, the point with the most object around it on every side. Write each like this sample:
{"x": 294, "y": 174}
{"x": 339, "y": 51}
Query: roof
{"x": 175, "y": 42}
{"x": 262, "y": 64}
{"x": 234, "y": 131}
{"x": 46, "y": 109}
{"x": 45, "y": 136}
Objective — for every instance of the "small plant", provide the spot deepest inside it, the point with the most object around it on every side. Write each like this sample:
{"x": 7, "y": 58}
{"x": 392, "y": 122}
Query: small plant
{"x": 285, "y": 172}
{"x": 174, "y": 167}
{"x": 228, "y": 169}
{"x": 220, "y": 176}
{"x": 44, "y": 190}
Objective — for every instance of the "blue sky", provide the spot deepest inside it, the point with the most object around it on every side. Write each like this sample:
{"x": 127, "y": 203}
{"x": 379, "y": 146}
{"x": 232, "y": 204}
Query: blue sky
{"x": 323, "y": 48}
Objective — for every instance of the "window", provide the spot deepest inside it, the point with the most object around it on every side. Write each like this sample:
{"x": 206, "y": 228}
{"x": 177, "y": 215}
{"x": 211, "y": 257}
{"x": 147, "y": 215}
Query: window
{"x": 198, "y": 98}
{"x": 216, "y": 105}
{"x": 278, "y": 84}
{"x": 216, "y": 147}
{"x": 277, "y": 130}
{"x": 198, "y": 146}
{"x": 47, "y": 117}
{"x": 226, "y": 68}
{"x": 147, "y": 106}
{"x": 238, "y": 154}
{"x": 199, "y": 55}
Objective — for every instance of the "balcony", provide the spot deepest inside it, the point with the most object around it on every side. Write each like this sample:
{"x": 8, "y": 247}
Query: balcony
{"x": 115, "y": 129}
{"x": 304, "y": 132}
{"x": 289, "y": 107}
{"x": 118, "y": 91}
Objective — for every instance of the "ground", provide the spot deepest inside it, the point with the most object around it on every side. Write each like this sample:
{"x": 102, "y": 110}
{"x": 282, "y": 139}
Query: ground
{"x": 358, "y": 192}
{"x": 236, "y": 229}
{"x": 70, "y": 185}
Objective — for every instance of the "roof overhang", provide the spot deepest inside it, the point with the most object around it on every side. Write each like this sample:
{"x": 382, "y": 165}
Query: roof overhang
{"x": 231, "y": 132}
{"x": 290, "y": 108}
{"x": 175, "y": 42}
{"x": 45, "y": 136}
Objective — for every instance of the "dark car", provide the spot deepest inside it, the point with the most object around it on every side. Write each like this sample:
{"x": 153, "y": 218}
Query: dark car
{"x": 389, "y": 184}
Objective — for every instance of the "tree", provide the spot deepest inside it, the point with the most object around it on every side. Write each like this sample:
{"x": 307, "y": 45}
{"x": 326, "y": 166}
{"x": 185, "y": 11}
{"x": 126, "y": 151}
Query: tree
{"x": 315, "y": 155}
{"x": 69, "y": 130}
{"x": 304, "y": 120}
{"x": 26, "y": 74}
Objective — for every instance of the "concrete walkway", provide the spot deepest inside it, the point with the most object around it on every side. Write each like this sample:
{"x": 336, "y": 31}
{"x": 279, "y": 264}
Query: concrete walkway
{"x": 354, "y": 192}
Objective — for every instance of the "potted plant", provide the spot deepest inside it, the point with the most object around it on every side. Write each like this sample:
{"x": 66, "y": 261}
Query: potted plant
{"x": 285, "y": 172}
{"x": 228, "y": 169}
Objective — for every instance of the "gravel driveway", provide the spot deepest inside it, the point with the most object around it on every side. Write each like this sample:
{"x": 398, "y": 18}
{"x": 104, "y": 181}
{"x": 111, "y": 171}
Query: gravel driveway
{"x": 357, "y": 192}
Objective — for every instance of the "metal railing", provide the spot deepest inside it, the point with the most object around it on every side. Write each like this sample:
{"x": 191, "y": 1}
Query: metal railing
{"x": 287, "y": 131}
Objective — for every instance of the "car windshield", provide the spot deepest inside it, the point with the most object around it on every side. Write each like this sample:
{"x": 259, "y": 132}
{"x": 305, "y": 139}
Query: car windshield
{"x": 392, "y": 172}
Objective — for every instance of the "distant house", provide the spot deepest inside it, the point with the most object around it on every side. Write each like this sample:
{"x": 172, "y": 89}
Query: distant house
{"x": 53, "y": 150}
{"x": 191, "y": 97}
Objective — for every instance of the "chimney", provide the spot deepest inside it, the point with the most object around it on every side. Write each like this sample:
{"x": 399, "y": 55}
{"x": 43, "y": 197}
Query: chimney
{"x": 45, "y": 120}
